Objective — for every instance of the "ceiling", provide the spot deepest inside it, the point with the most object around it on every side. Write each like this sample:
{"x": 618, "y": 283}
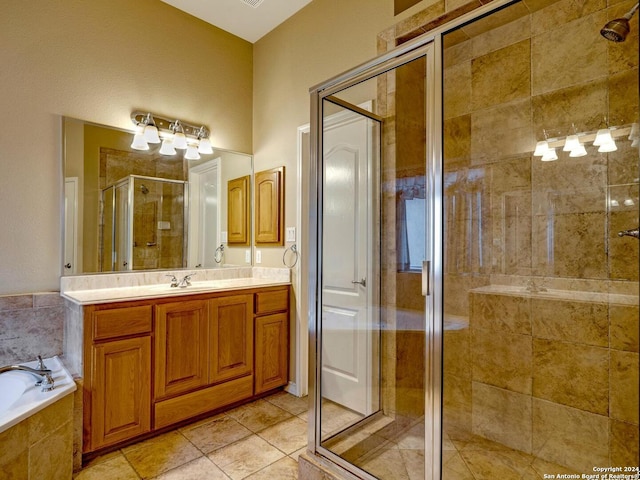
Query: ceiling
{"x": 241, "y": 17}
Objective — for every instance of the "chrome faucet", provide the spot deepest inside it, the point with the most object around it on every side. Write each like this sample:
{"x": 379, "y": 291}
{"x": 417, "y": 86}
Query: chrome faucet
{"x": 174, "y": 280}
{"x": 186, "y": 281}
{"x": 45, "y": 380}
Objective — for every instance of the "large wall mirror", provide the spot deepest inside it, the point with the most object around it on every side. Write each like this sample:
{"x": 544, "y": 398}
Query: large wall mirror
{"x": 132, "y": 210}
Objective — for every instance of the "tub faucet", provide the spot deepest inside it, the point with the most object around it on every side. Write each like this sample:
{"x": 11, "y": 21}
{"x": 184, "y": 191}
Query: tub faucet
{"x": 45, "y": 380}
{"x": 533, "y": 287}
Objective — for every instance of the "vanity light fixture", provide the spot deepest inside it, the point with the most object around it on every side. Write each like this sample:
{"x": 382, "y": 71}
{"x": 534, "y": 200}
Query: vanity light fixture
{"x": 173, "y": 133}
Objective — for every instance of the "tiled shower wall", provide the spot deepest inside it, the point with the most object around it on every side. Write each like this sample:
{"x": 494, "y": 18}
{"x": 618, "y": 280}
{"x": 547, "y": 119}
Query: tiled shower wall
{"x": 30, "y": 325}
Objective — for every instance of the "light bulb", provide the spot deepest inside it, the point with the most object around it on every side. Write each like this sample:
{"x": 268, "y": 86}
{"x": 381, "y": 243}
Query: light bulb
{"x": 541, "y": 148}
{"x": 205, "y": 146}
{"x": 139, "y": 142}
{"x": 549, "y": 155}
{"x": 179, "y": 141}
{"x": 571, "y": 143}
{"x": 167, "y": 147}
{"x": 151, "y": 134}
{"x": 192, "y": 153}
{"x": 603, "y": 136}
{"x": 608, "y": 147}
{"x": 578, "y": 151}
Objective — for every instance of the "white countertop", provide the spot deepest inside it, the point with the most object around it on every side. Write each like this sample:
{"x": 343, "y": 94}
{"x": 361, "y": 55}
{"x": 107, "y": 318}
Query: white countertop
{"x": 141, "y": 292}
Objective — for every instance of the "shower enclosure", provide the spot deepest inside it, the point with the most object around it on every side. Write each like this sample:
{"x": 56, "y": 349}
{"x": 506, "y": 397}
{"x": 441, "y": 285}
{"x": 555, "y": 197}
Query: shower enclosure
{"x": 143, "y": 224}
{"x": 476, "y": 282}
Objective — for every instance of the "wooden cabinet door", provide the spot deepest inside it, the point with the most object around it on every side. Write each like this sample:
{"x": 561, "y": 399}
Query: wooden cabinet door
{"x": 238, "y": 211}
{"x": 121, "y": 390}
{"x": 231, "y": 337}
{"x": 272, "y": 333}
{"x": 269, "y": 205}
{"x": 181, "y": 341}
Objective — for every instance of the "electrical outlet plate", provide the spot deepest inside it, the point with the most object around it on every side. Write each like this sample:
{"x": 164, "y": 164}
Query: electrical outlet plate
{"x": 223, "y": 237}
{"x": 258, "y": 256}
{"x": 290, "y": 235}
{"x": 247, "y": 256}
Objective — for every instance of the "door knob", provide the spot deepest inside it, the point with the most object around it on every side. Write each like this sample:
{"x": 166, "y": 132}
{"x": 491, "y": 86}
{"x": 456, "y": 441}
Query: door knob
{"x": 362, "y": 282}
{"x": 634, "y": 232}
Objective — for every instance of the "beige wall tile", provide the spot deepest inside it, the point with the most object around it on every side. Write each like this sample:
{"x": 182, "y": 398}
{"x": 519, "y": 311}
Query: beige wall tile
{"x": 460, "y": 49}
{"x": 573, "y": 438}
{"x": 503, "y": 360}
{"x": 578, "y": 322}
{"x": 501, "y": 76}
{"x": 519, "y": 29}
{"x": 501, "y": 313}
{"x": 583, "y": 105}
{"x": 623, "y": 97}
{"x": 457, "y": 90}
{"x": 496, "y": 20}
{"x": 457, "y": 353}
{"x": 501, "y": 132}
{"x": 502, "y": 416}
{"x": 623, "y": 252}
{"x": 582, "y": 58}
{"x": 578, "y": 248}
{"x": 52, "y": 457}
{"x": 49, "y": 419}
{"x": 624, "y": 448}
{"x": 624, "y": 388}
{"x": 623, "y": 163}
{"x": 571, "y": 374}
{"x": 457, "y": 403}
{"x": 563, "y": 12}
{"x": 457, "y": 140}
{"x": 624, "y": 327}
{"x": 14, "y": 442}
{"x": 496, "y": 464}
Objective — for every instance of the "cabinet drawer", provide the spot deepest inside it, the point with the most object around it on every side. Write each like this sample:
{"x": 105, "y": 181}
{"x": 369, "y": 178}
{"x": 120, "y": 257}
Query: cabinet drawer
{"x": 120, "y": 322}
{"x": 272, "y": 301}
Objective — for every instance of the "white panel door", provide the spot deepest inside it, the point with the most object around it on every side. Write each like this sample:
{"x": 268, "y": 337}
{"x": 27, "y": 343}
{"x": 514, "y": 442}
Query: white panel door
{"x": 347, "y": 322}
{"x": 204, "y": 216}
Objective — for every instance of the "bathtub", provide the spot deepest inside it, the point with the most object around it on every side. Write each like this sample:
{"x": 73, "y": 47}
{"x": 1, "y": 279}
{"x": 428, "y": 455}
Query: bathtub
{"x": 20, "y": 398}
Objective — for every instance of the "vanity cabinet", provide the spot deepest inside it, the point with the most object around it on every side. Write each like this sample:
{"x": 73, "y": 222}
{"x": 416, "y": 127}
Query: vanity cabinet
{"x": 118, "y": 405}
{"x": 272, "y": 340}
{"x": 203, "y": 351}
{"x": 181, "y": 347}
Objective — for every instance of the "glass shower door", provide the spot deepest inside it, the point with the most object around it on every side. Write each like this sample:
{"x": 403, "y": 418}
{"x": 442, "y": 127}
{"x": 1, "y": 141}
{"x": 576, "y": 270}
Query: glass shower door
{"x": 540, "y": 292}
{"x": 371, "y": 311}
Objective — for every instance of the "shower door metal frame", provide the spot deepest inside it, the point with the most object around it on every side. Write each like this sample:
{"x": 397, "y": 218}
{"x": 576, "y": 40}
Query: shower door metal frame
{"x": 383, "y": 64}
{"x": 430, "y": 46}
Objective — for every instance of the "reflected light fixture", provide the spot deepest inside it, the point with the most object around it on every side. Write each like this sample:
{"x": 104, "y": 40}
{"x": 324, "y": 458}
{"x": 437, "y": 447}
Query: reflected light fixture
{"x": 173, "y": 133}
{"x": 192, "y": 153}
{"x": 550, "y": 155}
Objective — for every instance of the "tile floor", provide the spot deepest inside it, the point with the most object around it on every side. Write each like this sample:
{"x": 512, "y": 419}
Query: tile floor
{"x": 260, "y": 440}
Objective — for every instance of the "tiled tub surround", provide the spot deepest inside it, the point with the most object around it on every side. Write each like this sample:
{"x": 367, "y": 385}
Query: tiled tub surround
{"x": 30, "y": 325}
{"x": 36, "y": 432}
{"x": 553, "y": 374}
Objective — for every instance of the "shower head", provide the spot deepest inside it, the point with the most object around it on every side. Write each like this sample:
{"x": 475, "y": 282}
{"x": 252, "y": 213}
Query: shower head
{"x": 144, "y": 189}
{"x": 618, "y": 29}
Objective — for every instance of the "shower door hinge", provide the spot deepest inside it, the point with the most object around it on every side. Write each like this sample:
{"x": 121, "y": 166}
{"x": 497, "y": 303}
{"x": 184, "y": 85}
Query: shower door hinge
{"x": 426, "y": 278}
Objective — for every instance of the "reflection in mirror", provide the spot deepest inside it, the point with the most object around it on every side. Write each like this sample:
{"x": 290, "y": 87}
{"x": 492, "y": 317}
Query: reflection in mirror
{"x": 138, "y": 210}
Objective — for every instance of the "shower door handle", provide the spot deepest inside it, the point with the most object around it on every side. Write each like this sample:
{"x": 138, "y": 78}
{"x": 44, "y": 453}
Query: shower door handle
{"x": 426, "y": 278}
{"x": 634, "y": 232}
{"x": 362, "y": 282}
